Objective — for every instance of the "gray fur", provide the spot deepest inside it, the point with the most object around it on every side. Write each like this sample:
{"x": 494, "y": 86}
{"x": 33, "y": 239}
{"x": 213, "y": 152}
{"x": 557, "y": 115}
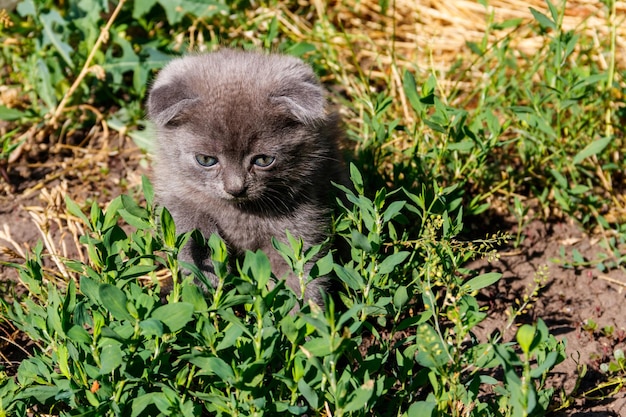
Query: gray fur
{"x": 235, "y": 106}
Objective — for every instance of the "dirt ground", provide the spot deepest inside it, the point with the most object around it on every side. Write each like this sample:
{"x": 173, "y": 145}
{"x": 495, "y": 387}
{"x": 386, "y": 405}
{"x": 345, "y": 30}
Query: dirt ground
{"x": 571, "y": 300}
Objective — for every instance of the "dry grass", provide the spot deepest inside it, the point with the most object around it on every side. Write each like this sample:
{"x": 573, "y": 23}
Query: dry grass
{"x": 433, "y": 34}
{"x": 366, "y": 47}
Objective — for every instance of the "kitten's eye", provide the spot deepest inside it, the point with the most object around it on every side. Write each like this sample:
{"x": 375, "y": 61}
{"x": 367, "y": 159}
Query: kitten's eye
{"x": 206, "y": 160}
{"x": 264, "y": 161}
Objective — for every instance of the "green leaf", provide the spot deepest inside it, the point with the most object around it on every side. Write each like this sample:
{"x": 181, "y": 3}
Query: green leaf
{"x": 49, "y": 21}
{"x": 577, "y": 257}
{"x": 410, "y": 90}
{"x": 175, "y": 315}
{"x": 114, "y": 300}
{"x": 350, "y": 277}
{"x": 554, "y": 12}
{"x": 271, "y": 34}
{"x": 133, "y": 208}
{"x": 483, "y": 281}
{"x": 44, "y": 85}
{"x": 463, "y": 146}
{"x": 53, "y": 321}
{"x": 231, "y": 336}
{"x": 437, "y": 127}
{"x": 562, "y": 199}
{"x": 148, "y": 190}
{"x": 579, "y": 189}
{"x": 134, "y": 221}
{"x": 360, "y": 241}
{"x": 256, "y": 265}
{"x": 42, "y": 393}
{"x": 62, "y": 360}
{"x": 110, "y": 357}
{"x": 78, "y": 334}
{"x": 400, "y": 297}
{"x": 141, "y": 8}
{"x": 168, "y": 228}
{"x": 27, "y": 371}
{"x": 525, "y": 336}
{"x": 422, "y": 409}
{"x": 75, "y": 210}
{"x": 594, "y": 148}
{"x": 193, "y": 295}
{"x": 213, "y": 366}
{"x": 299, "y": 49}
{"x": 393, "y": 210}
{"x": 308, "y": 393}
{"x": 318, "y": 347}
{"x": 219, "y": 251}
{"x": 324, "y": 265}
{"x": 151, "y": 327}
{"x": 543, "y": 20}
{"x": 360, "y": 397}
{"x": 414, "y": 320}
{"x": 176, "y": 10}
{"x": 26, "y": 8}
{"x": 389, "y": 264}
{"x": 356, "y": 178}
{"x": 124, "y": 60}
{"x": 510, "y": 23}
{"x": 90, "y": 289}
{"x": 475, "y": 48}
{"x": 111, "y": 215}
{"x": 140, "y": 402}
{"x": 548, "y": 362}
{"x": 432, "y": 353}
{"x": 10, "y": 114}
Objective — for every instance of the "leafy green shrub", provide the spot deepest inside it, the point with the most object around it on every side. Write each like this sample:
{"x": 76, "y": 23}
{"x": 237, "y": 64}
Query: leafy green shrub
{"x": 401, "y": 344}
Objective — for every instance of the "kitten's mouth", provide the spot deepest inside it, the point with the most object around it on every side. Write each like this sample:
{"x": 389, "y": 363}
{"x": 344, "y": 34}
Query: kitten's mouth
{"x": 242, "y": 200}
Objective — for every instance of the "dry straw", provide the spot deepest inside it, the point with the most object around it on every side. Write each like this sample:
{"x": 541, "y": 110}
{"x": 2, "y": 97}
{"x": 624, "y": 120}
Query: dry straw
{"x": 431, "y": 35}
{"x": 417, "y": 29}
{"x": 367, "y": 48}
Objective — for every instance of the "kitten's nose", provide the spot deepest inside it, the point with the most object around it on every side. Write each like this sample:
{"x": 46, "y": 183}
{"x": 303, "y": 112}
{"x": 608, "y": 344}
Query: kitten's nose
{"x": 235, "y": 188}
{"x": 236, "y": 192}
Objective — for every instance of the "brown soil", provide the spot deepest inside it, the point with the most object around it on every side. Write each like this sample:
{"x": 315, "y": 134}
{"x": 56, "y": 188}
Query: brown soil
{"x": 569, "y": 300}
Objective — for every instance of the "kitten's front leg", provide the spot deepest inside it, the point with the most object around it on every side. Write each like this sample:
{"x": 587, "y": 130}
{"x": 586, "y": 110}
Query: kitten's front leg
{"x": 199, "y": 254}
{"x": 196, "y": 250}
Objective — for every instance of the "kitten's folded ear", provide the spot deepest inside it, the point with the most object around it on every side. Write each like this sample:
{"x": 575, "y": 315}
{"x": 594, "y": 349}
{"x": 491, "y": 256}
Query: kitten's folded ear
{"x": 167, "y": 102}
{"x": 302, "y": 98}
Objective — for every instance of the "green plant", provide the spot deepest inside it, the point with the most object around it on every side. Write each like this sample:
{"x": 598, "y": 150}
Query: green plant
{"x": 616, "y": 366}
{"x": 562, "y": 129}
{"x": 541, "y": 350}
{"x": 107, "y": 344}
{"x": 520, "y": 212}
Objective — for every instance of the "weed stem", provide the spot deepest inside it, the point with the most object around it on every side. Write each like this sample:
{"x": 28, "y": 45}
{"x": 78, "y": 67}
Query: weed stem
{"x": 104, "y": 36}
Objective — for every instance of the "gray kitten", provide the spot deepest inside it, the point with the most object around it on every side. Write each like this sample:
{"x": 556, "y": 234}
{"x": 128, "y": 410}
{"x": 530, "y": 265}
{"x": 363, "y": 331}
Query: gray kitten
{"x": 247, "y": 150}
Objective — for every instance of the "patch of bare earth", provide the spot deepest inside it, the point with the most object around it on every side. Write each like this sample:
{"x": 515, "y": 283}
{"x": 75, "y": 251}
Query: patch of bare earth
{"x": 570, "y": 301}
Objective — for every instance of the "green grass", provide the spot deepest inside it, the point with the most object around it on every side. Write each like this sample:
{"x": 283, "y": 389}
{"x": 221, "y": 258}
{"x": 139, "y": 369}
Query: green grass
{"x": 541, "y": 134}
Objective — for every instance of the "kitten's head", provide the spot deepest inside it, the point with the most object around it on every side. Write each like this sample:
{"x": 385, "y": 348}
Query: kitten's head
{"x": 240, "y": 127}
